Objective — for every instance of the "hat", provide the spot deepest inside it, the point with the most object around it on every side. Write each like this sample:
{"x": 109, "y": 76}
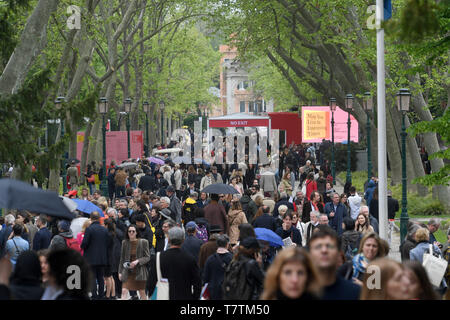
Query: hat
{"x": 73, "y": 193}
{"x": 389, "y": 193}
{"x": 215, "y": 229}
{"x": 191, "y": 225}
{"x": 190, "y": 201}
{"x": 64, "y": 225}
{"x": 251, "y": 243}
{"x": 170, "y": 189}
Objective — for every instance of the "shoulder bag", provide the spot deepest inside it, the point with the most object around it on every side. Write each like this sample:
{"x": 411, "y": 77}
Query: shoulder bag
{"x": 162, "y": 286}
{"x": 434, "y": 266}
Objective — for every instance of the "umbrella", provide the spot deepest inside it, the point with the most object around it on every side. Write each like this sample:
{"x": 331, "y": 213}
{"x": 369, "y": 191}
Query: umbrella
{"x": 269, "y": 236}
{"x": 181, "y": 160}
{"x": 15, "y": 194}
{"x": 87, "y": 207}
{"x": 76, "y": 225}
{"x": 69, "y": 203}
{"x": 156, "y": 160}
{"x": 127, "y": 165}
{"x": 220, "y": 188}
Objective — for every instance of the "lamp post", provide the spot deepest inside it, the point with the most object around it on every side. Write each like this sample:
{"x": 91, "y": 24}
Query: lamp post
{"x": 161, "y": 108}
{"x": 103, "y": 110}
{"x": 368, "y": 106}
{"x": 146, "y": 107}
{"x": 58, "y": 102}
{"x": 403, "y": 99}
{"x": 333, "y": 165}
{"x": 349, "y": 105}
{"x": 127, "y": 104}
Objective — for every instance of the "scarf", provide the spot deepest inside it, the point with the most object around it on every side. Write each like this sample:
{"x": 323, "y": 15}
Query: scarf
{"x": 358, "y": 267}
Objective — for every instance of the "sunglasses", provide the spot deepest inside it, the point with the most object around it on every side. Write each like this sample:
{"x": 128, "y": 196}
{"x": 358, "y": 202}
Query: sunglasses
{"x": 131, "y": 231}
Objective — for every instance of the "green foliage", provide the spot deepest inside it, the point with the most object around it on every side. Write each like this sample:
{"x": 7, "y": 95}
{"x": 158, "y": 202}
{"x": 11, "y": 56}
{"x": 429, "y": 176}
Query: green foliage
{"x": 340, "y": 156}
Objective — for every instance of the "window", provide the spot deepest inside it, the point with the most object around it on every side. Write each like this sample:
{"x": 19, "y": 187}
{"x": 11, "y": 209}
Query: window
{"x": 258, "y": 106}
{"x": 251, "y": 106}
{"x": 243, "y": 85}
{"x": 242, "y": 106}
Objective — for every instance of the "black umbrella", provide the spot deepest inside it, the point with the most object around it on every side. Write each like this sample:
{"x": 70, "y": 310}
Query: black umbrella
{"x": 15, "y": 194}
{"x": 220, "y": 188}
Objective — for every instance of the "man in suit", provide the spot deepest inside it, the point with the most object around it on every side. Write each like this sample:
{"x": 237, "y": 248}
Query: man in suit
{"x": 336, "y": 213}
{"x": 179, "y": 268}
{"x": 43, "y": 237}
{"x": 95, "y": 246}
{"x": 147, "y": 182}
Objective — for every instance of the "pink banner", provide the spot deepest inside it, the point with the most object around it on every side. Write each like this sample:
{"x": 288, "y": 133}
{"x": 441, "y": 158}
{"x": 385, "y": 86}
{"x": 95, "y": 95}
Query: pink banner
{"x": 340, "y": 125}
{"x": 117, "y": 145}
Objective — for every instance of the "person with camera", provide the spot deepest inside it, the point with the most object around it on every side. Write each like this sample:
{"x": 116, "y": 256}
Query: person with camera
{"x": 135, "y": 254}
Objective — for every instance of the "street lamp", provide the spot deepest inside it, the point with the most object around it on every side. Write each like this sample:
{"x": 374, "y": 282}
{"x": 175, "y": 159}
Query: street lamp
{"x": 58, "y": 102}
{"x": 368, "y": 106}
{"x": 349, "y": 105}
{"x": 127, "y": 104}
{"x": 403, "y": 99}
{"x": 333, "y": 165}
{"x": 103, "y": 110}
{"x": 161, "y": 108}
{"x": 146, "y": 107}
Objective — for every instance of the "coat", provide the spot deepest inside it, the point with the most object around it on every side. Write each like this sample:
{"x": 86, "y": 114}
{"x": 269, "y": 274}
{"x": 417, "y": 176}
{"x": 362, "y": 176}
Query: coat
{"x": 120, "y": 178}
{"x": 95, "y": 244}
{"x": 207, "y": 249}
{"x": 420, "y": 249}
{"x": 282, "y": 201}
{"x": 175, "y": 206}
{"x": 311, "y": 186}
{"x": 147, "y": 182}
{"x": 42, "y": 239}
{"x": 307, "y": 208}
{"x": 192, "y": 245}
{"x": 286, "y": 186}
{"x": 142, "y": 255}
{"x": 235, "y": 218}
{"x": 267, "y": 182}
{"x": 265, "y": 221}
{"x": 181, "y": 270}
{"x": 369, "y": 192}
{"x": 293, "y": 233}
{"x": 339, "y": 215}
{"x": 215, "y": 214}
{"x": 214, "y": 273}
{"x": 72, "y": 173}
{"x": 249, "y": 207}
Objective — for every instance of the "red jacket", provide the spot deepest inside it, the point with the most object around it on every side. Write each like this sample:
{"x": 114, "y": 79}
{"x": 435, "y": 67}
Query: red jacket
{"x": 311, "y": 186}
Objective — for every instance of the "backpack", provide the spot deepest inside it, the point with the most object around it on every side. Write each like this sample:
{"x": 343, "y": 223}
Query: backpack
{"x": 73, "y": 244}
{"x": 352, "y": 250}
{"x": 235, "y": 285}
{"x": 202, "y": 233}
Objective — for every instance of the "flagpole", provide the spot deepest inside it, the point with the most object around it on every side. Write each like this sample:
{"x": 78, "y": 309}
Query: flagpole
{"x": 381, "y": 108}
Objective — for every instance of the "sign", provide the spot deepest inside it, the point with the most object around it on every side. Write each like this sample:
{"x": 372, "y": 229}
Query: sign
{"x": 239, "y": 123}
{"x": 316, "y": 125}
{"x": 117, "y": 145}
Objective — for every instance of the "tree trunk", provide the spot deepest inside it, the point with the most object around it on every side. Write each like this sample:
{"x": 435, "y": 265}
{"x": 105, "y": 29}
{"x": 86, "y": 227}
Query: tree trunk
{"x": 32, "y": 41}
{"x": 393, "y": 150}
{"x": 85, "y": 149}
{"x": 54, "y": 178}
{"x": 93, "y": 143}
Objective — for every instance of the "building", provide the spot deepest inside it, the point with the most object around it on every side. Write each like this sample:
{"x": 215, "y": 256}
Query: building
{"x": 236, "y": 94}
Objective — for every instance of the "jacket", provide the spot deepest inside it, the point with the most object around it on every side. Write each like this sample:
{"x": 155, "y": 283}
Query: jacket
{"x": 307, "y": 208}
{"x": 120, "y": 178}
{"x": 142, "y": 255}
{"x": 265, "y": 221}
{"x": 355, "y": 204}
{"x": 311, "y": 186}
{"x": 369, "y": 192}
{"x": 214, "y": 273}
{"x": 192, "y": 245}
{"x": 249, "y": 207}
{"x": 95, "y": 244}
{"x": 72, "y": 172}
{"x": 175, "y": 206}
{"x": 42, "y": 239}
{"x": 235, "y": 218}
{"x": 147, "y": 182}
{"x": 339, "y": 215}
{"x": 181, "y": 270}
{"x": 287, "y": 186}
{"x": 206, "y": 181}
{"x": 215, "y": 214}
{"x": 282, "y": 201}
{"x": 393, "y": 207}
{"x": 293, "y": 233}
{"x": 406, "y": 247}
{"x": 420, "y": 249}
{"x": 267, "y": 182}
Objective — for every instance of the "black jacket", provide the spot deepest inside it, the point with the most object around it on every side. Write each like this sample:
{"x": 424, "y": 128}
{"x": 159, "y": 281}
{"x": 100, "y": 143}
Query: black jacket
{"x": 265, "y": 221}
{"x": 293, "y": 233}
{"x": 147, "y": 234}
{"x": 147, "y": 182}
{"x": 393, "y": 207}
{"x": 182, "y": 272}
{"x": 95, "y": 245}
{"x": 42, "y": 239}
{"x": 307, "y": 208}
{"x": 192, "y": 246}
{"x": 213, "y": 273}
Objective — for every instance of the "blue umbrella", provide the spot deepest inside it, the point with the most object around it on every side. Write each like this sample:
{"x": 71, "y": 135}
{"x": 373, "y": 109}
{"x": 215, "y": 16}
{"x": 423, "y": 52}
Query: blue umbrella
{"x": 269, "y": 236}
{"x": 87, "y": 207}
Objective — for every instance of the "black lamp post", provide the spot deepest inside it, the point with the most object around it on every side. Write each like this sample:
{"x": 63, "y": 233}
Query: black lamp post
{"x": 403, "y": 99}
{"x": 368, "y": 106}
{"x": 333, "y": 164}
{"x": 103, "y": 110}
{"x": 127, "y": 104}
{"x": 349, "y": 105}
{"x": 58, "y": 103}
{"x": 161, "y": 108}
{"x": 146, "y": 107}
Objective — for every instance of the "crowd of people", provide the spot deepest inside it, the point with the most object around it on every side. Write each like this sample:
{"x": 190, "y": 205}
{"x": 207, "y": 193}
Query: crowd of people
{"x": 157, "y": 229}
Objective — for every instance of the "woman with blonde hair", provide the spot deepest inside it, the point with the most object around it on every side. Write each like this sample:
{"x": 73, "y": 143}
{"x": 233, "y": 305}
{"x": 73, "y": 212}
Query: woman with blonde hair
{"x": 285, "y": 184}
{"x": 370, "y": 248}
{"x": 392, "y": 283}
{"x": 235, "y": 218}
{"x": 292, "y": 276}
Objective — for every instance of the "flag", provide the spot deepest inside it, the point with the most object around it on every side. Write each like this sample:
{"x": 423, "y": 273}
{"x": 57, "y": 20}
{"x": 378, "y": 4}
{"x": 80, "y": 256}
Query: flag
{"x": 387, "y": 6}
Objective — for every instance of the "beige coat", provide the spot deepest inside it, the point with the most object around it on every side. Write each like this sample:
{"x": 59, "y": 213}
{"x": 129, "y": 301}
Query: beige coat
{"x": 235, "y": 218}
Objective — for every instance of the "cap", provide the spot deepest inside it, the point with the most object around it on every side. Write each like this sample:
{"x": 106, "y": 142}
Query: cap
{"x": 191, "y": 225}
{"x": 251, "y": 243}
{"x": 73, "y": 193}
{"x": 190, "y": 201}
{"x": 64, "y": 225}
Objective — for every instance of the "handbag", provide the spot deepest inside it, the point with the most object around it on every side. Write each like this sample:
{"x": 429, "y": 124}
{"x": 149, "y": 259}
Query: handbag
{"x": 91, "y": 178}
{"x": 435, "y": 267}
{"x": 97, "y": 179}
{"x": 162, "y": 285}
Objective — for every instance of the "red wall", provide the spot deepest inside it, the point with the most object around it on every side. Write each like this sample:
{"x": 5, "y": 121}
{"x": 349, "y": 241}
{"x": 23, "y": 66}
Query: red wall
{"x": 289, "y": 121}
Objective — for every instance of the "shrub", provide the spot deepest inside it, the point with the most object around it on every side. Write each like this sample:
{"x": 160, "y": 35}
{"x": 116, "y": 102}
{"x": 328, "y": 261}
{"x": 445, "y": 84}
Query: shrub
{"x": 434, "y": 208}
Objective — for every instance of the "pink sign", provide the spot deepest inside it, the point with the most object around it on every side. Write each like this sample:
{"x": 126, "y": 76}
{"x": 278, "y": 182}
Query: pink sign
{"x": 340, "y": 125}
{"x": 117, "y": 145}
